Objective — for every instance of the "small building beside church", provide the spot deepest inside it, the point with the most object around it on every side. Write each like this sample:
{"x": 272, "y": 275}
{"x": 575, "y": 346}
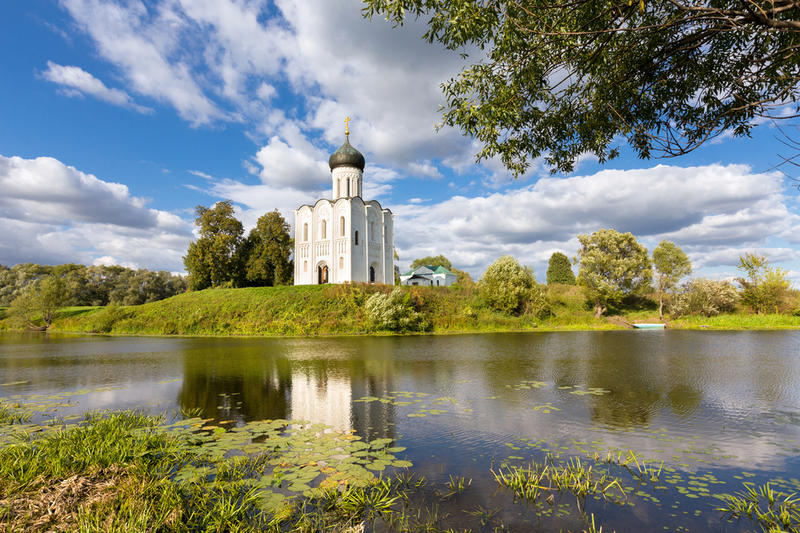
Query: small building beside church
{"x": 344, "y": 239}
{"x": 431, "y": 276}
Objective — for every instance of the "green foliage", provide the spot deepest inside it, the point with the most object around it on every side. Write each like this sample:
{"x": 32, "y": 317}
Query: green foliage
{"x": 765, "y": 286}
{"x": 705, "y": 297}
{"x": 215, "y": 259}
{"x": 39, "y": 301}
{"x": 394, "y": 312}
{"x": 559, "y": 270}
{"x": 268, "y": 249}
{"x": 562, "y": 79}
{"x": 506, "y": 285}
{"x": 612, "y": 266}
{"x": 93, "y": 285}
{"x": 772, "y": 510}
{"x": 671, "y": 264}
{"x": 438, "y": 260}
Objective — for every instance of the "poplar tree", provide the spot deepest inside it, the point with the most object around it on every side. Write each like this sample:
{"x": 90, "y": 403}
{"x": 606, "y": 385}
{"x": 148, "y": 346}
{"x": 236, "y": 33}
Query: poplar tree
{"x": 559, "y": 270}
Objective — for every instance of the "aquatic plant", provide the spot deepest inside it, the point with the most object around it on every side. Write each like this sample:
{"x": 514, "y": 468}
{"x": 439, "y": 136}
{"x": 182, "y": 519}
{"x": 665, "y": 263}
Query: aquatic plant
{"x": 772, "y": 510}
{"x": 531, "y": 482}
{"x": 456, "y": 485}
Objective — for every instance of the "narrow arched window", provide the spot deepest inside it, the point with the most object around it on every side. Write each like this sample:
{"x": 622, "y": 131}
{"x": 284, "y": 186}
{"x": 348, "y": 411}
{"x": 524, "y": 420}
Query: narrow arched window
{"x": 324, "y": 229}
{"x": 338, "y": 188}
{"x": 356, "y": 237}
{"x": 341, "y": 224}
{"x": 348, "y": 188}
{"x": 305, "y": 266}
{"x": 305, "y": 231}
{"x": 341, "y": 262}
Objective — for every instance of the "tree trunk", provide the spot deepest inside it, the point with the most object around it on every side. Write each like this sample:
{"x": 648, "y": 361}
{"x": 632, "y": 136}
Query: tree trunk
{"x": 599, "y": 310}
{"x": 661, "y": 308}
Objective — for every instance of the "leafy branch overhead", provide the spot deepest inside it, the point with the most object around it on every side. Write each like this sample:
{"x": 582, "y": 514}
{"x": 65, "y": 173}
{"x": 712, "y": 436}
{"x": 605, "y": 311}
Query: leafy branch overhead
{"x": 559, "y": 79}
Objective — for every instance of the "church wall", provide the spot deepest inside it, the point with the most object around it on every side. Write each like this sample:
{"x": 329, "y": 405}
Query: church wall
{"x": 388, "y": 251}
{"x": 340, "y": 254}
{"x": 303, "y": 261}
{"x": 358, "y": 223}
{"x": 375, "y": 255}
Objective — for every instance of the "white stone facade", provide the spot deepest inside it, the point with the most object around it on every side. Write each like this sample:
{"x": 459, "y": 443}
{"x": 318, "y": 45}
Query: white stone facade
{"x": 344, "y": 239}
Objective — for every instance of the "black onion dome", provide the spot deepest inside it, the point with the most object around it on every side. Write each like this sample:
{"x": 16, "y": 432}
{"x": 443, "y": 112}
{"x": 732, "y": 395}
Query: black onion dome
{"x": 346, "y": 156}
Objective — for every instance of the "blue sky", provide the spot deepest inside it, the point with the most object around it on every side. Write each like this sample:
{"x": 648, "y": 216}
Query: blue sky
{"x": 118, "y": 117}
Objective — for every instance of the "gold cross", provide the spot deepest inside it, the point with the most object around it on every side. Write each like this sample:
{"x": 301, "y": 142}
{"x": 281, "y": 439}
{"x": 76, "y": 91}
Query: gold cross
{"x": 346, "y": 125}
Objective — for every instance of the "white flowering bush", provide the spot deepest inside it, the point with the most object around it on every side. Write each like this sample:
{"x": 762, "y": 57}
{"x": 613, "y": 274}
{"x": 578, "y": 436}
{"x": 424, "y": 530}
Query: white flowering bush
{"x": 705, "y": 297}
{"x": 394, "y": 312}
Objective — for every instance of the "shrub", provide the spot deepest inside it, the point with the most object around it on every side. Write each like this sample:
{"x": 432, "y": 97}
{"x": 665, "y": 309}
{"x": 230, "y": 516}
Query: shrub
{"x": 538, "y": 303}
{"x": 765, "y": 286}
{"x": 506, "y": 285}
{"x": 567, "y": 299}
{"x": 394, "y": 312}
{"x": 706, "y": 297}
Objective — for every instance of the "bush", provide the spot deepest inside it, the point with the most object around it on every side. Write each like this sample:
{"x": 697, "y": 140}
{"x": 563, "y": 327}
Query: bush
{"x": 394, "y": 312}
{"x": 538, "y": 303}
{"x": 506, "y": 285}
{"x": 705, "y": 297}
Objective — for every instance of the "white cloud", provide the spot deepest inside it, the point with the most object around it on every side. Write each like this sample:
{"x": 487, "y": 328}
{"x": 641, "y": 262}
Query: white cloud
{"x": 714, "y": 208}
{"x": 144, "y": 44}
{"x": 224, "y": 60}
{"x": 298, "y": 167}
{"x": 78, "y": 81}
{"x": 54, "y": 213}
{"x": 201, "y": 174}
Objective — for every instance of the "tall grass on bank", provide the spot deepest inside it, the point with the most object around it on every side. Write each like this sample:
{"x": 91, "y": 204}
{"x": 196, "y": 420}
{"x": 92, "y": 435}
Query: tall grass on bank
{"x": 738, "y": 321}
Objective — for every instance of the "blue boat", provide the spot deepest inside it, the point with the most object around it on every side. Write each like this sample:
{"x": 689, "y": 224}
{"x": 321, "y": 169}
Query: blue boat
{"x": 649, "y": 326}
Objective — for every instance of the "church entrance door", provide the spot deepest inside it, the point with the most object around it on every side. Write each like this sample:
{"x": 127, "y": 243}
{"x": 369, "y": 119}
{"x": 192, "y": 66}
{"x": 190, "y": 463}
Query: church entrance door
{"x": 372, "y": 274}
{"x": 322, "y": 274}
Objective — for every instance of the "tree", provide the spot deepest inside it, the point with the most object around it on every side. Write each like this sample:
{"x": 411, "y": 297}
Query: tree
{"x": 612, "y": 265}
{"x": 562, "y": 78}
{"x": 506, "y": 285}
{"x": 671, "y": 264}
{"x": 434, "y": 261}
{"x": 764, "y": 284}
{"x": 42, "y": 299}
{"x": 269, "y": 248}
{"x": 559, "y": 270}
{"x": 214, "y": 259}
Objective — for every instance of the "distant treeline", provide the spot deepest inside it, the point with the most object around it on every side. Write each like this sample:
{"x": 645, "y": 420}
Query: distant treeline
{"x": 93, "y": 285}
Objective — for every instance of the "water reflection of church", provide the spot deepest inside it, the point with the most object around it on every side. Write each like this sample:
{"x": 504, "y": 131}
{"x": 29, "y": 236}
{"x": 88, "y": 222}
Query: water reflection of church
{"x": 295, "y": 383}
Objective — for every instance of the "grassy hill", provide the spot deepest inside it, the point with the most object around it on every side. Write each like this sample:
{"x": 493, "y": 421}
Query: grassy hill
{"x": 295, "y": 310}
{"x": 339, "y": 310}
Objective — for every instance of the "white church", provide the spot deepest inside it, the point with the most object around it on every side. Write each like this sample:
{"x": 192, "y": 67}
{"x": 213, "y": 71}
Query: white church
{"x": 344, "y": 239}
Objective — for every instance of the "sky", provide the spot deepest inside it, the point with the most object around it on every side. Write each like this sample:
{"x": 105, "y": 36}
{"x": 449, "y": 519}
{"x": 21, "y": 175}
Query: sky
{"x": 119, "y": 117}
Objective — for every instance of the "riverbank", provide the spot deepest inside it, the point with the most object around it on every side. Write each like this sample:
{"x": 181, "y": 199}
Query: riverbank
{"x": 339, "y": 310}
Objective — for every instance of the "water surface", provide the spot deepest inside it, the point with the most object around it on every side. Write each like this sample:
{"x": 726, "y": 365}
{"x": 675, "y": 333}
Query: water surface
{"x": 718, "y": 408}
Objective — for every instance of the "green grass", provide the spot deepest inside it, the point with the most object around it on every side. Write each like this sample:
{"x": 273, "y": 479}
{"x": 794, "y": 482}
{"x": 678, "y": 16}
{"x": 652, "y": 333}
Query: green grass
{"x": 339, "y": 310}
{"x": 738, "y": 321}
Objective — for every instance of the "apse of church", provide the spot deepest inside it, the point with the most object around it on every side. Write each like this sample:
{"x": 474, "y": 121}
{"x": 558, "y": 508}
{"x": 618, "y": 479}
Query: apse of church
{"x": 344, "y": 239}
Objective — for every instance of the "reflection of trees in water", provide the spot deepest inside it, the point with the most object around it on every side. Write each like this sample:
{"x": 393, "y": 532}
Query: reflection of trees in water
{"x": 216, "y": 381}
{"x": 643, "y": 377}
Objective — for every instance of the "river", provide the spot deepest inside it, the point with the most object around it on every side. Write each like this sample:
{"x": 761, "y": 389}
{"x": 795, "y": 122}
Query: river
{"x": 717, "y": 408}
